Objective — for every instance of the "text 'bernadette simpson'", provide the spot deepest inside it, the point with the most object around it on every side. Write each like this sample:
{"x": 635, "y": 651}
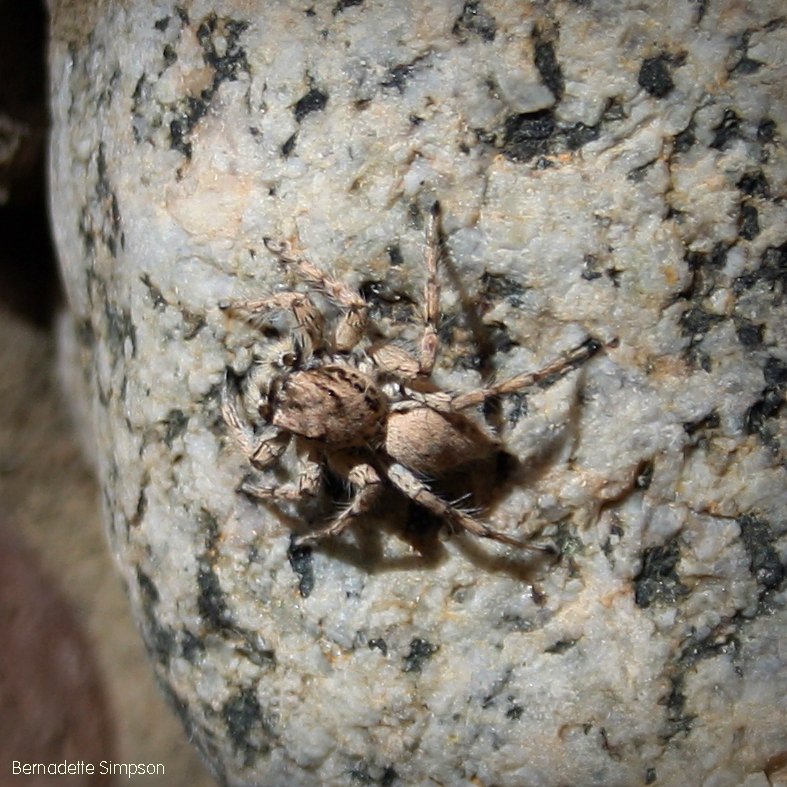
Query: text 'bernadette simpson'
{"x": 80, "y": 767}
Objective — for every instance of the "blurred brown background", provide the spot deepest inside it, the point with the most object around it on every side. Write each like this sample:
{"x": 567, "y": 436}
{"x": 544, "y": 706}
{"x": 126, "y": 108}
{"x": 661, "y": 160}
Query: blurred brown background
{"x": 74, "y": 679}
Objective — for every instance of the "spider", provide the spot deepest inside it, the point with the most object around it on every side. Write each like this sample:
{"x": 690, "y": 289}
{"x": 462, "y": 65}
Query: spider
{"x": 372, "y": 416}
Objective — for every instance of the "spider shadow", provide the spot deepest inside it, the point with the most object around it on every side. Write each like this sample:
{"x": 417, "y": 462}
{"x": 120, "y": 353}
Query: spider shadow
{"x": 423, "y": 533}
{"x": 363, "y": 544}
{"x": 472, "y": 309}
{"x": 396, "y": 517}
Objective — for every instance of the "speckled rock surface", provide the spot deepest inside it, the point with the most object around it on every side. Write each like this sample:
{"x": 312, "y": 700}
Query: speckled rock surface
{"x": 604, "y": 170}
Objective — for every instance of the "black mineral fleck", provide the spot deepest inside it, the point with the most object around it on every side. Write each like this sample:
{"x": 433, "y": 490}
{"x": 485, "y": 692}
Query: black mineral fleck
{"x": 746, "y": 65}
{"x": 654, "y": 76}
{"x": 386, "y": 302}
{"x": 313, "y": 101}
{"x": 389, "y": 776}
{"x": 378, "y": 643}
{"x": 211, "y": 602}
{"x": 685, "y": 139}
{"x": 696, "y": 322}
{"x": 644, "y": 475}
{"x": 169, "y": 54}
{"x": 246, "y": 725}
{"x": 748, "y": 222}
{"x": 678, "y": 721}
{"x": 160, "y": 640}
{"x": 526, "y": 134}
{"x": 561, "y": 646}
{"x": 750, "y": 334}
{"x": 232, "y": 59}
{"x": 773, "y": 264}
{"x": 766, "y": 130}
{"x": 547, "y": 65}
{"x": 580, "y": 134}
{"x": 289, "y": 145}
{"x": 775, "y": 371}
{"x": 755, "y": 184}
{"x": 758, "y": 540}
{"x": 496, "y": 287}
{"x": 344, "y": 4}
{"x": 175, "y": 423}
{"x": 757, "y": 417}
{"x": 398, "y": 76}
{"x": 421, "y": 650}
{"x": 719, "y": 641}
{"x": 768, "y": 406}
{"x": 300, "y": 558}
{"x": 657, "y": 580}
{"x": 709, "y": 421}
{"x": 227, "y": 60}
{"x": 474, "y": 19}
{"x": 191, "y": 647}
{"x": 395, "y": 254}
{"x": 727, "y": 130}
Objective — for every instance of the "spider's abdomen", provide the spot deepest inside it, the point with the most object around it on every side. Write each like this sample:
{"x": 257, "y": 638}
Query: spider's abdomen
{"x": 335, "y": 404}
{"x": 436, "y": 444}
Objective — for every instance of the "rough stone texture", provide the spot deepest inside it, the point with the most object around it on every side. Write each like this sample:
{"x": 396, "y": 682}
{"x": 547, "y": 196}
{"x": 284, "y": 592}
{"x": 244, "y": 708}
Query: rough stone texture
{"x": 604, "y": 169}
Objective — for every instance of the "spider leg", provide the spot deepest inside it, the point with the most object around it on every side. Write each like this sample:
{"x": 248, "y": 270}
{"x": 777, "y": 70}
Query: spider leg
{"x": 448, "y": 403}
{"x": 430, "y": 341}
{"x": 352, "y": 325}
{"x": 261, "y": 449}
{"x": 308, "y": 318}
{"x": 408, "y": 483}
{"x": 406, "y": 405}
{"x": 306, "y": 485}
{"x": 395, "y": 361}
{"x": 368, "y": 486}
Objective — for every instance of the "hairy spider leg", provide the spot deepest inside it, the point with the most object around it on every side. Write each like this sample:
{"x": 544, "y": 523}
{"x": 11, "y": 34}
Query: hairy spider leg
{"x": 368, "y": 485}
{"x": 308, "y": 319}
{"x": 394, "y": 360}
{"x": 352, "y": 325}
{"x": 409, "y": 484}
{"x": 430, "y": 342}
{"x": 262, "y": 449}
{"x": 307, "y": 484}
{"x": 453, "y": 403}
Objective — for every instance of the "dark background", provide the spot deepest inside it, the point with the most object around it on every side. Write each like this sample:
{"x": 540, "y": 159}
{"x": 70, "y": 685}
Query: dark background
{"x": 28, "y": 281}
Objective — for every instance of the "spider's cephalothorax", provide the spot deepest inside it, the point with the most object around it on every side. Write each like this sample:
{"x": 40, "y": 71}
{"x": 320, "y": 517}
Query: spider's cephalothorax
{"x": 371, "y": 415}
{"x": 335, "y": 404}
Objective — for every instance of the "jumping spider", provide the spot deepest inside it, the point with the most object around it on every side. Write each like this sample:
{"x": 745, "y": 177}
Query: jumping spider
{"x": 372, "y": 415}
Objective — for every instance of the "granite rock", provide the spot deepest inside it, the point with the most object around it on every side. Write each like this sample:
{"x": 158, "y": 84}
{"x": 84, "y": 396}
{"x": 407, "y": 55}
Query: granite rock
{"x": 605, "y": 170}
